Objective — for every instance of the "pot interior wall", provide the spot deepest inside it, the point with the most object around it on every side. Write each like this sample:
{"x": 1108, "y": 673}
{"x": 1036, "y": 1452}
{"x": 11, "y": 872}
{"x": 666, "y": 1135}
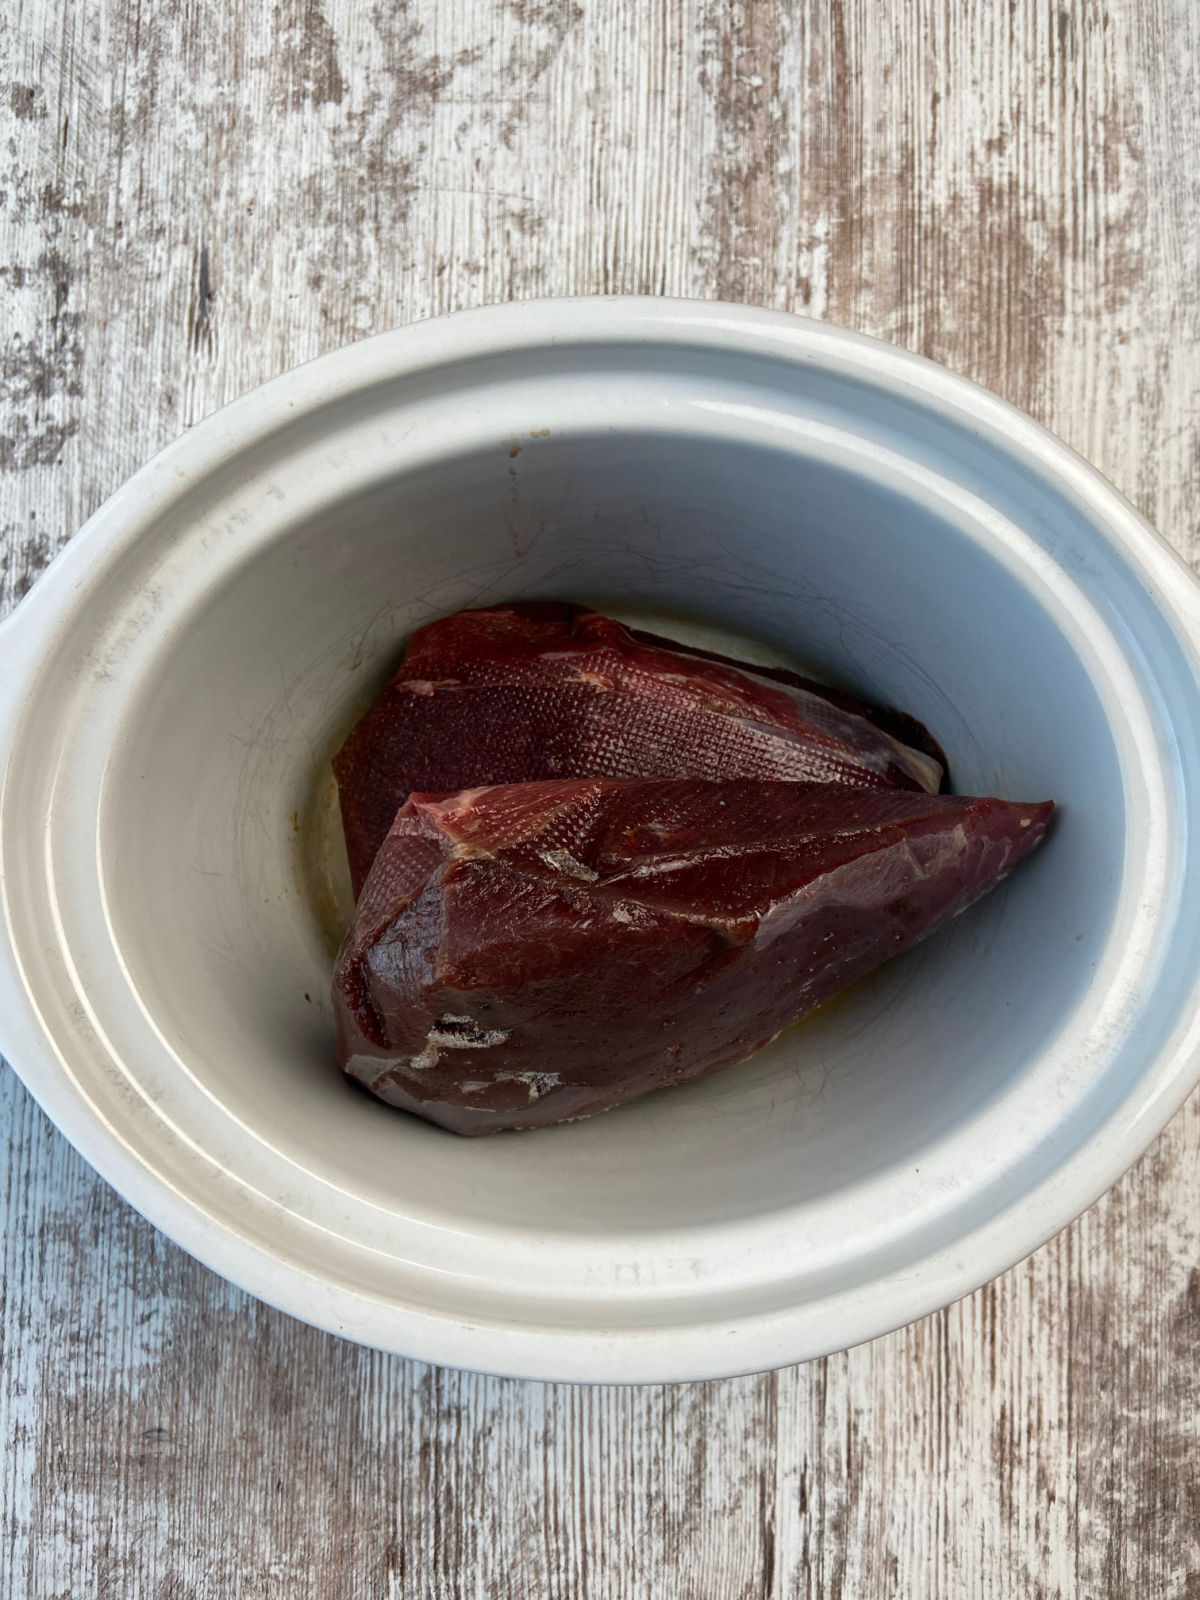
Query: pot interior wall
{"x": 224, "y": 882}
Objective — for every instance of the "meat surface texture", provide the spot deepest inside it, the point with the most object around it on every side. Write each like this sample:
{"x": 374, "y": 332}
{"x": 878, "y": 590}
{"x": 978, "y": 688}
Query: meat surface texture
{"x": 532, "y": 953}
{"x": 543, "y": 690}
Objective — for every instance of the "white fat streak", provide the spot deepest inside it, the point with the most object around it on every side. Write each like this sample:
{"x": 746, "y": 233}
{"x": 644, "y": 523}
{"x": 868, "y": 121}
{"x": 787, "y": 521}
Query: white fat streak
{"x": 539, "y": 1083}
{"x": 439, "y": 1038}
{"x": 924, "y": 768}
{"x": 445, "y": 813}
{"x": 563, "y": 861}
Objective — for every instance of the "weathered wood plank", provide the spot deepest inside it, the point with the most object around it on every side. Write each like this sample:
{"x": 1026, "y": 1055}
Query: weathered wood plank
{"x": 195, "y": 197}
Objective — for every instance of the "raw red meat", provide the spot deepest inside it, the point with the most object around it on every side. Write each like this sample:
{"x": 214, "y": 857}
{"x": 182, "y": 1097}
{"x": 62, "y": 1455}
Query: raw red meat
{"x": 538, "y": 952}
{"x": 546, "y": 690}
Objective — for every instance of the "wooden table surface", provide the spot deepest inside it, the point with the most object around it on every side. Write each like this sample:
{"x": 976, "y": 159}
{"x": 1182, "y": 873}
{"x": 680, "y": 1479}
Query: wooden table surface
{"x": 194, "y": 196}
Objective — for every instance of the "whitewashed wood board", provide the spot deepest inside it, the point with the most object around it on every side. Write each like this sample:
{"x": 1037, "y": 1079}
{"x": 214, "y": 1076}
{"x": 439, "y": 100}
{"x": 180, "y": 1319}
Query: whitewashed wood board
{"x": 194, "y": 196}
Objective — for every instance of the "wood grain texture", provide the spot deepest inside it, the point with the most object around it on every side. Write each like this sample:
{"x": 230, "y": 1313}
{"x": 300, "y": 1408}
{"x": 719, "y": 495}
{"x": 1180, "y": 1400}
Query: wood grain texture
{"x": 195, "y": 195}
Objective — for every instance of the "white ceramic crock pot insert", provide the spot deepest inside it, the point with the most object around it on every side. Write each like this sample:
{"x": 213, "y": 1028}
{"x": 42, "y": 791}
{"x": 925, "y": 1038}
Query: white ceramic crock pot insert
{"x": 175, "y": 686}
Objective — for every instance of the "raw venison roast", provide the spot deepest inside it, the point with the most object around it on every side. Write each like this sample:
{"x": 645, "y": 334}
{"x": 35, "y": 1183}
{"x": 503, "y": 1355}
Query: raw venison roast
{"x": 534, "y": 952}
{"x": 526, "y": 692}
